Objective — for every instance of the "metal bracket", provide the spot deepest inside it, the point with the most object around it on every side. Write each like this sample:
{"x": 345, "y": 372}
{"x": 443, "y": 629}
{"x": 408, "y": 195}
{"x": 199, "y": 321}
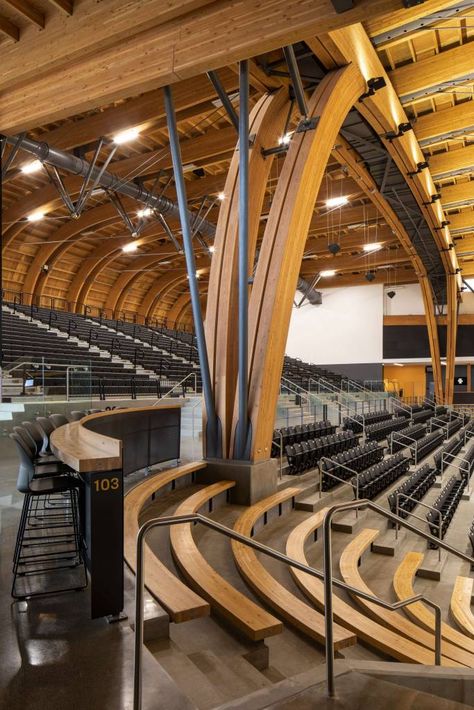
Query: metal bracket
{"x": 13, "y": 152}
{"x": 117, "y": 203}
{"x": 307, "y": 124}
{"x": 58, "y": 182}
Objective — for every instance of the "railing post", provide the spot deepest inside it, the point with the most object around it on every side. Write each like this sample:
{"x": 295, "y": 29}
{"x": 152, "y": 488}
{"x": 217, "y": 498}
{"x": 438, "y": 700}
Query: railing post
{"x": 328, "y": 610}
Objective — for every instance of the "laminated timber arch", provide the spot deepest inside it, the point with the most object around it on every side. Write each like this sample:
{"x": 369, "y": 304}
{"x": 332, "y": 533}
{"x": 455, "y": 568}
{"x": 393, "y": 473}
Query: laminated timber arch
{"x": 283, "y": 245}
{"x": 384, "y": 112}
{"x": 266, "y": 124}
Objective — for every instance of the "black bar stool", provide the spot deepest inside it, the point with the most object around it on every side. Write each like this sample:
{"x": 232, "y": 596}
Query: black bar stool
{"x": 49, "y": 537}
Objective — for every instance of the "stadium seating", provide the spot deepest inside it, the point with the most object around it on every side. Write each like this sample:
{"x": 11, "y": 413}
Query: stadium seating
{"x": 380, "y": 476}
{"x": 381, "y": 430}
{"x": 357, "y": 421}
{"x": 307, "y": 454}
{"x": 416, "y": 486}
{"x": 343, "y": 465}
{"x": 427, "y": 444}
{"x": 302, "y": 432}
{"x": 446, "y": 503}
{"x": 403, "y": 437}
{"x": 452, "y": 447}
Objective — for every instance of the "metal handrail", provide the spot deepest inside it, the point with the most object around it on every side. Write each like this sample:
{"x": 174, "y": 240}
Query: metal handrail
{"x": 356, "y": 474}
{"x": 413, "y": 515}
{"x": 328, "y": 578}
{"x": 408, "y": 446}
{"x": 275, "y": 554}
{"x": 178, "y": 384}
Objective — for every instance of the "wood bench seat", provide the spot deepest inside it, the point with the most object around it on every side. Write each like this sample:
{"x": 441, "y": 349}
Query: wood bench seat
{"x": 366, "y": 629}
{"x": 287, "y": 605}
{"x": 395, "y": 620}
{"x": 181, "y": 602}
{"x": 403, "y": 584}
{"x": 246, "y": 616}
{"x": 460, "y": 606}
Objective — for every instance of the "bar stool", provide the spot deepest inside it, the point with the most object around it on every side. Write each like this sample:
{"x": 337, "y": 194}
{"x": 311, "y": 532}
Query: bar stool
{"x": 58, "y": 420}
{"x": 47, "y": 427}
{"x": 76, "y": 416}
{"x": 37, "y": 435}
{"x": 49, "y": 539}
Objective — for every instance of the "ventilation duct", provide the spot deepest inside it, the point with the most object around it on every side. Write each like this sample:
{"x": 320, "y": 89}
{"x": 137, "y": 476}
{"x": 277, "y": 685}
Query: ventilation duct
{"x": 313, "y": 296}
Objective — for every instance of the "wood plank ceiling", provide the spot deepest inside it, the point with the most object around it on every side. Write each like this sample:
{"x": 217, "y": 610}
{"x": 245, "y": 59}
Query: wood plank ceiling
{"x": 431, "y": 68}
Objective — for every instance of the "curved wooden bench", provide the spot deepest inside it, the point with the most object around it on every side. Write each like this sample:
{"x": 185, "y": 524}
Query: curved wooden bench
{"x": 225, "y": 600}
{"x": 349, "y": 566}
{"x": 403, "y": 585}
{"x": 181, "y": 603}
{"x": 366, "y": 629}
{"x": 460, "y": 606}
{"x": 287, "y": 605}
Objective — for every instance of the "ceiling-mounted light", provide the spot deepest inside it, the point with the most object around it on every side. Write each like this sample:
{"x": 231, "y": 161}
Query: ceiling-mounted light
{"x": 145, "y": 212}
{"x": 334, "y": 248}
{"x": 285, "y": 139}
{"x": 337, "y": 201}
{"x": 374, "y": 246}
{"x": 419, "y": 168}
{"x": 32, "y": 167}
{"x": 131, "y": 246}
{"x": 373, "y": 85}
{"x": 35, "y": 217}
{"x": 327, "y": 273}
{"x": 370, "y": 276}
{"x": 391, "y": 294}
{"x": 398, "y": 364}
{"x": 212, "y": 249}
{"x": 221, "y": 196}
{"x": 402, "y": 128}
{"x": 130, "y": 134}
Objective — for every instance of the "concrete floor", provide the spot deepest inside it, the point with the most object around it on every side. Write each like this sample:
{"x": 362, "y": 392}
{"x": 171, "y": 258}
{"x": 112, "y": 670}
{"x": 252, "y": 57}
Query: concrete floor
{"x": 52, "y": 656}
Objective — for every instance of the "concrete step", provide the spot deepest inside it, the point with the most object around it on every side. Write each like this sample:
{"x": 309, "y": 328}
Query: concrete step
{"x": 229, "y": 674}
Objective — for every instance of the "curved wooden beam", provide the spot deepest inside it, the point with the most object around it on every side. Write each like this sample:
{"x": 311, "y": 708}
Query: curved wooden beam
{"x": 170, "y": 279}
{"x": 347, "y": 156}
{"x": 266, "y": 123}
{"x": 283, "y": 245}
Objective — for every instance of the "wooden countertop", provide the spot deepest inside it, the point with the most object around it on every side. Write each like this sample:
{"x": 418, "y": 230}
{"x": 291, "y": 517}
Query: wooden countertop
{"x": 85, "y": 450}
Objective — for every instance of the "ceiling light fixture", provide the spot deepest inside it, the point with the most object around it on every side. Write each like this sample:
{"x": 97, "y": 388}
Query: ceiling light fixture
{"x": 337, "y": 201}
{"x": 131, "y": 246}
{"x": 374, "y": 246}
{"x": 221, "y": 196}
{"x": 212, "y": 249}
{"x": 328, "y": 273}
{"x": 32, "y": 167}
{"x": 145, "y": 212}
{"x": 35, "y": 217}
{"x": 130, "y": 134}
{"x": 285, "y": 139}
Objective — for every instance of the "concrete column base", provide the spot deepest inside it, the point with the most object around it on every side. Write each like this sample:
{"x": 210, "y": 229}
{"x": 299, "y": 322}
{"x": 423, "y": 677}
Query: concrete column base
{"x": 254, "y": 480}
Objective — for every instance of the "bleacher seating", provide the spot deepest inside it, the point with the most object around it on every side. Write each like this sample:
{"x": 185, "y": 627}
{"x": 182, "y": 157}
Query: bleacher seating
{"x": 306, "y": 455}
{"x": 381, "y": 430}
{"x": 380, "y": 476}
{"x": 305, "y": 374}
{"x": 468, "y": 464}
{"x": 446, "y": 503}
{"x": 343, "y": 465}
{"x": 416, "y": 486}
{"x": 451, "y": 447}
{"x": 357, "y": 421}
{"x": 302, "y": 432}
{"x": 471, "y": 536}
{"x": 453, "y": 426}
{"x": 427, "y": 444}
{"x": 423, "y": 415}
{"x": 401, "y": 439}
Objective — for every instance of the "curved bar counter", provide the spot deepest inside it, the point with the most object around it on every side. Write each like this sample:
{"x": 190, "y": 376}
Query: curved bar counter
{"x": 103, "y": 448}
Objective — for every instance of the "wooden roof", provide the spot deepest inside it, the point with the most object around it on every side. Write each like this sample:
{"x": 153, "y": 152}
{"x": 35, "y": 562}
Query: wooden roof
{"x": 82, "y": 77}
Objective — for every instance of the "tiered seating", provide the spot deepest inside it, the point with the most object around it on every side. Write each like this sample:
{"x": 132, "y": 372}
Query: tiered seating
{"x": 468, "y": 463}
{"x": 303, "y": 432}
{"x": 357, "y": 421}
{"x": 305, "y": 374}
{"x": 134, "y": 343}
{"x": 380, "y": 430}
{"x": 403, "y": 438}
{"x": 307, "y": 454}
{"x": 427, "y": 444}
{"x": 451, "y": 447}
{"x": 446, "y": 503}
{"x": 471, "y": 536}
{"x": 357, "y": 459}
{"x": 349, "y": 564}
{"x": 453, "y": 426}
{"x": 379, "y": 477}
{"x": 461, "y": 605}
{"x": 225, "y": 600}
{"x": 422, "y": 416}
{"x": 416, "y": 486}
{"x": 375, "y": 635}
{"x": 287, "y": 605}
{"x": 403, "y": 585}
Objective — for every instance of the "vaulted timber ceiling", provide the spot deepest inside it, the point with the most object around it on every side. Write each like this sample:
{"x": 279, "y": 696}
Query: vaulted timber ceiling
{"x": 430, "y": 63}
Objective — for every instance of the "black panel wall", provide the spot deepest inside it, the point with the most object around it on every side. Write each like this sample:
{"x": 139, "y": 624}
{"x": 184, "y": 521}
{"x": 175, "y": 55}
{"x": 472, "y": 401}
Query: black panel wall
{"x": 411, "y": 341}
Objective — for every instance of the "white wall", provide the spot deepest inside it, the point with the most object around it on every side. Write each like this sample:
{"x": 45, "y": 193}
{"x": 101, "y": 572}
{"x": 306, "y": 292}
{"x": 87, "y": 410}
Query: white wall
{"x": 346, "y": 328}
{"x": 409, "y": 301}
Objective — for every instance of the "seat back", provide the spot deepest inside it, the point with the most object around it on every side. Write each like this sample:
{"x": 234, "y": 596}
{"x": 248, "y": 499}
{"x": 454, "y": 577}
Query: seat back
{"x": 26, "y": 469}
{"x": 76, "y": 416}
{"x": 36, "y": 434}
{"x": 58, "y": 420}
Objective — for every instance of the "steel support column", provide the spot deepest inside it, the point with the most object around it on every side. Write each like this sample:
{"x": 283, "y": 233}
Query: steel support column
{"x": 213, "y": 447}
{"x": 226, "y": 102}
{"x": 241, "y": 447}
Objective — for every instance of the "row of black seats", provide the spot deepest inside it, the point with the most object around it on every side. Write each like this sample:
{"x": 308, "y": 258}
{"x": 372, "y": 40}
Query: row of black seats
{"x": 380, "y": 430}
{"x": 307, "y": 454}
{"x": 416, "y": 486}
{"x": 422, "y": 416}
{"x": 453, "y": 426}
{"x": 302, "y": 432}
{"x": 468, "y": 466}
{"x": 471, "y": 536}
{"x": 451, "y": 447}
{"x": 356, "y": 422}
{"x": 427, "y": 444}
{"x": 446, "y": 505}
{"x": 401, "y": 439}
{"x": 379, "y": 477}
{"x": 343, "y": 465}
